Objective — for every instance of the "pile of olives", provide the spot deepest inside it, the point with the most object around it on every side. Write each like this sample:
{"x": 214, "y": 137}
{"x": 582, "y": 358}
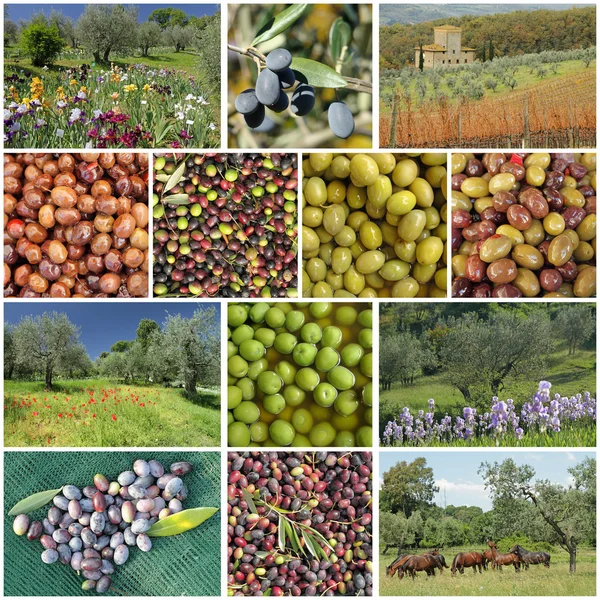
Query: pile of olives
{"x": 327, "y": 492}
{"x": 92, "y": 528}
{"x": 299, "y": 374}
{"x": 524, "y": 225}
{"x": 271, "y": 85}
{"x": 374, "y": 225}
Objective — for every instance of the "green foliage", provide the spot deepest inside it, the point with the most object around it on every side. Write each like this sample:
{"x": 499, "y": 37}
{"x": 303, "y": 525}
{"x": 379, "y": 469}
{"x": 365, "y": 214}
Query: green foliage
{"x": 207, "y": 40}
{"x": 168, "y": 17}
{"x": 576, "y": 325}
{"x": 148, "y": 36}
{"x": 106, "y": 28}
{"x": 145, "y": 331}
{"x": 545, "y": 30}
{"x": 121, "y": 346}
{"x": 41, "y": 42}
{"x": 407, "y": 487}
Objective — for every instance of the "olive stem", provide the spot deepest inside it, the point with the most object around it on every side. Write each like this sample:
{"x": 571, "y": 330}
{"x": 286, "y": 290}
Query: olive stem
{"x": 357, "y": 85}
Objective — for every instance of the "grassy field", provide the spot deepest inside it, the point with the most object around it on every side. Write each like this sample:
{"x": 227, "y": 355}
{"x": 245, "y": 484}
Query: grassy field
{"x": 104, "y": 413}
{"x": 185, "y": 61}
{"x": 537, "y": 581}
{"x": 524, "y": 79}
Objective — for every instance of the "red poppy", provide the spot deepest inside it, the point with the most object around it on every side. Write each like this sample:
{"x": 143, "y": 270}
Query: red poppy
{"x": 94, "y": 415}
{"x": 113, "y": 417}
{"x": 60, "y": 415}
{"x": 142, "y": 404}
{"x": 35, "y": 414}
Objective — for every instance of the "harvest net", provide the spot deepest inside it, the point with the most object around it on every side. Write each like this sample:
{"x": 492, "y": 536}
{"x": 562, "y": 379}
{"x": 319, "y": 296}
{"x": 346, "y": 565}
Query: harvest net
{"x": 184, "y": 565}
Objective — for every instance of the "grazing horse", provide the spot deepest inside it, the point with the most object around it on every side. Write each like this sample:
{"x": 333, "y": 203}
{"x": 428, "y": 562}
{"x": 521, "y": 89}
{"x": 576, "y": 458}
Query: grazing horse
{"x": 500, "y": 560}
{"x": 426, "y": 562}
{"x": 467, "y": 559}
{"x": 488, "y": 559}
{"x": 402, "y": 558}
{"x": 531, "y": 558}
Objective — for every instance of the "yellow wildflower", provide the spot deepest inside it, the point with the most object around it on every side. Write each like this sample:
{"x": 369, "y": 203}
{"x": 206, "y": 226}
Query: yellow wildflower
{"x": 13, "y": 93}
{"x": 73, "y": 82}
{"x": 146, "y": 87}
{"x": 37, "y": 88}
{"x": 130, "y": 88}
{"x": 115, "y": 77}
{"x": 60, "y": 93}
{"x": 83, "y": 89}
{"x": 26, "y": 101}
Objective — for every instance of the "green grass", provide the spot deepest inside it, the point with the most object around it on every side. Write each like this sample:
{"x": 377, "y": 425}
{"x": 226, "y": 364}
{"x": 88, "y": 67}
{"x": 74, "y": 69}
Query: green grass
{"x": 185, "y": 61}
{"x": 145, "y": 415}
{"x": 524, "y": 78}
{"x": 537, "y": 581}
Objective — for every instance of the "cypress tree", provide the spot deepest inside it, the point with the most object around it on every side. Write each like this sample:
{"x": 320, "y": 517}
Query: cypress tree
{"x": 483, "y": 57}
{"x": 421, "y": 57}
{"x": 491, "y": 50}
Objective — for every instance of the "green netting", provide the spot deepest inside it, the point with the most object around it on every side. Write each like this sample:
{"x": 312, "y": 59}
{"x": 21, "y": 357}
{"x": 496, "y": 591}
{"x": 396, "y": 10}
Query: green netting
{"x": 183, "y": 565}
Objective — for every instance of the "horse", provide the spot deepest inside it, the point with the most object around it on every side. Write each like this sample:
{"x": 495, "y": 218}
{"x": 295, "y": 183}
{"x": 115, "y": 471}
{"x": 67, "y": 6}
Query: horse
{"x": 426, "y": 562}
{"x": 531, "y": 558}
{"x": 488, "y": 559}
{"x": 500, "y": 560}
{"x": 402, "y": 558}
{"x": 467, "y": 559}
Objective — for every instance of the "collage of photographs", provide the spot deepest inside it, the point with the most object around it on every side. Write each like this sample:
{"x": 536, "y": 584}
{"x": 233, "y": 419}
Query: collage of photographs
{"x": 361, "y": 236}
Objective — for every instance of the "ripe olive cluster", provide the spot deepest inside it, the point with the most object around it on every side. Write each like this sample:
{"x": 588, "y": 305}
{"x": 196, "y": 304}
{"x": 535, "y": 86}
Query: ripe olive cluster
{"x": 76, "y": 225}
{"x": 323, "y": 496}
{"x": 92, "y": 528}
{"x": 374, "y": 225}
{"x": 524, "y": 225}
{"x": 231, "y": 230}
{"x": 300, "y": 374}
{"x": 272, "y": 84}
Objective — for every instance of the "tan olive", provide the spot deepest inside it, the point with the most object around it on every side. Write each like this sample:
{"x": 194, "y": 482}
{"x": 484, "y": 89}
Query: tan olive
{"x": 527, "y": 282}
{"x": 503, "y": 270}
{"x": 585, "y": 283}
{"x": 560, "y": 250}
{"x": 494, "y": 248}
{"x": 527, "y": 256}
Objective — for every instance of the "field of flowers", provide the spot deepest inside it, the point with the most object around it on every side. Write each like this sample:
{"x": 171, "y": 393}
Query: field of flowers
{"x": 542, "y": 421}
{"x": 134, "y": 106}
{"x": 99, "y": 413}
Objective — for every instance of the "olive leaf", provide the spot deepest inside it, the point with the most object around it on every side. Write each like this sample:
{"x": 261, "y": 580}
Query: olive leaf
{"x": 291, "y": 533}
{"x": 33, "y": 502}
{"x": 284, "y": 20}
{"x": 176, "y": 177}
{"x": 340, "y": 35}
{"x": 249, "y": 501}
{"x": 267, "y": 592}
{"x": 162, "y": 177}
{"x": 181, "y": 522}
{"x": 177, "y": 199}
{"x": 308, "y": 543}
{"x": 317, "y": 74}
{"x": 281, "y": 533}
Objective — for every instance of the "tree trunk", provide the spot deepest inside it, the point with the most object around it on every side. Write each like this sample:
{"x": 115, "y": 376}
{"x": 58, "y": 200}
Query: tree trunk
{"x": 48, "y": 381}
{"x": 190, "y": 385}
{"x": 387, "y": 547}
{"x": 465, "y": 392}
{"x": 97, "y": 56}
{"x": 572, "y": 558}
{"x": 106, "y": 54}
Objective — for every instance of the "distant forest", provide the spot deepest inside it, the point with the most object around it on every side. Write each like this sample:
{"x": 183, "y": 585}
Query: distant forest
{"x": 515, "y": 33}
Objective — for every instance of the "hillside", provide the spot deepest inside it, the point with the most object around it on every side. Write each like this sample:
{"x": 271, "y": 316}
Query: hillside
{"x": 545, "y": 30}
{"x": 414, "y": 13}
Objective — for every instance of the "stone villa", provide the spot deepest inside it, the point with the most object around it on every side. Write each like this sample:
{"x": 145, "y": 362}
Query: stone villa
{"x": 446, "y": 51}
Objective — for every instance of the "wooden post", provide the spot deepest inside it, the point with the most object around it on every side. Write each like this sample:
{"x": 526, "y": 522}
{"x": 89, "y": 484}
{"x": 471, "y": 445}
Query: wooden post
{"x": 392, "y": 142}
{"x": 526, "y": 140}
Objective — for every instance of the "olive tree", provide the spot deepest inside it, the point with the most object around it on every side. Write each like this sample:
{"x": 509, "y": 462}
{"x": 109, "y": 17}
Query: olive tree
{"x": 105, "y": 28}
{"x": 9, "y": 351}
{"x": 45, "y": 341}
{"x": 189, "y": 349}
{"x": 399, "y": 532}
{"x": 148, "y": 36}
{"x": 576, "y": 325}
{"x": 569, "y": 511}
{"x": 506, "y": 344}
{"x": 207, "y": 41}
{"x": 178, "y": 37}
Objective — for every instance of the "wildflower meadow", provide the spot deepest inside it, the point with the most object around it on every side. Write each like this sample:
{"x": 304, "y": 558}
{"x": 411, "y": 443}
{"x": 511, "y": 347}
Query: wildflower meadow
{"x": 544, "y": 420}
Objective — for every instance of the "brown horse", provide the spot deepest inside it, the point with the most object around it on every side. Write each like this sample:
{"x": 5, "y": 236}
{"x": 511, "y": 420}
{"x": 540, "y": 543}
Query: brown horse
{"x": 402, "y": 558}
{"x": 467, "y": 559}
{"x": 426, "y": 562}
{"x": 500, "y": 560}
{"x": 489, "y": 559}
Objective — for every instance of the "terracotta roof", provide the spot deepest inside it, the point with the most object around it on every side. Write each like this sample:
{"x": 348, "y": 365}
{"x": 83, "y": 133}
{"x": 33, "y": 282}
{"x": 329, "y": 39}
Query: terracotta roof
{"x": 432, "y": 48}
{"x": 448, "y": 28}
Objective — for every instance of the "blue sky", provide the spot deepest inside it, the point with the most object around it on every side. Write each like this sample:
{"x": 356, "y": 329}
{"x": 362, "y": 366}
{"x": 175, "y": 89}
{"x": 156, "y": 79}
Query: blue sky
{"x": 103, "y": 323}
{"x": 24, "y": 11}
{"x": 456, "y": 471}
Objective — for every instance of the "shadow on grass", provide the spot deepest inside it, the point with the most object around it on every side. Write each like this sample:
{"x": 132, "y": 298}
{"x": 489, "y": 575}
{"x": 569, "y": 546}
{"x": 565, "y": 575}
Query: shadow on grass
{"x": 205, "y": 398}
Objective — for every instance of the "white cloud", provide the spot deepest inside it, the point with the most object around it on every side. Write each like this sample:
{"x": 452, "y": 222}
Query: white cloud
{"x": 571, "y": 457}
{"x": 461, "y": 487}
